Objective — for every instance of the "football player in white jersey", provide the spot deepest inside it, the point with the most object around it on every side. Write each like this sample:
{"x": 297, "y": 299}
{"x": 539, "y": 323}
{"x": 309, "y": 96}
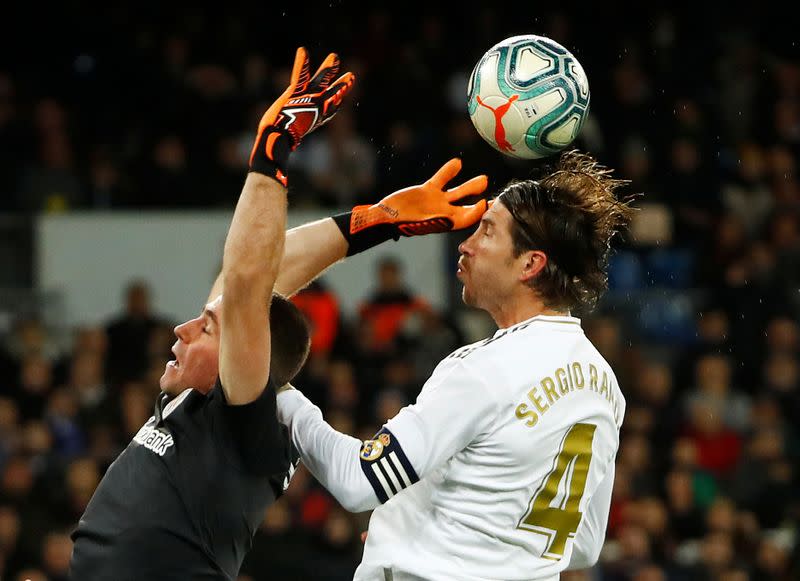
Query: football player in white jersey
{"x": 504, "y": 466}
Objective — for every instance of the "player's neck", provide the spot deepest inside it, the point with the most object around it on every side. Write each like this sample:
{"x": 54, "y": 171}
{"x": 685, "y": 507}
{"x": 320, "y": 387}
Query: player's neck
{"x": 513, "y": 312}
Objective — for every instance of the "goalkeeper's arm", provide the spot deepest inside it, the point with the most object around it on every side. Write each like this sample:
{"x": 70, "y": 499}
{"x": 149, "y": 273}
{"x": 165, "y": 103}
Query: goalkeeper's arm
{"x": 423, "y": 209}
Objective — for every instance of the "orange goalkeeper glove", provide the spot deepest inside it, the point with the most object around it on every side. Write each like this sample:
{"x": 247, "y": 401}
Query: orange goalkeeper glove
{"x": 306, "y": 104}
{"x": 424, "y": 209}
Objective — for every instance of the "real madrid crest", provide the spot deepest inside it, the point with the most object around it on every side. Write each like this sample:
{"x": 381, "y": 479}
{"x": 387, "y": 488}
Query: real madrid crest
{"x": 373, "y": 449}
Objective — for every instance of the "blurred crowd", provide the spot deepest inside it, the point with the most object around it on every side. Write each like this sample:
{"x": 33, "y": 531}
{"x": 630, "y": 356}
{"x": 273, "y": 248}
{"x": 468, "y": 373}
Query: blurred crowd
{"x": 699, "y": 109}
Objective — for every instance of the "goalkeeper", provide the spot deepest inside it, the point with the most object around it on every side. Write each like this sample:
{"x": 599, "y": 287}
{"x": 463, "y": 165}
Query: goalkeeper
{"x": 185, "y": 496}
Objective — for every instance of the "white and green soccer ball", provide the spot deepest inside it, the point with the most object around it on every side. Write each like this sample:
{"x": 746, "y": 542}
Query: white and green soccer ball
{"x": 528, "y": 97}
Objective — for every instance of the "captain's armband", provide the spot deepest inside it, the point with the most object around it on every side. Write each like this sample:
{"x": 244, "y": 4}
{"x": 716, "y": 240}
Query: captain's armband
{"x": 386, "y": 466}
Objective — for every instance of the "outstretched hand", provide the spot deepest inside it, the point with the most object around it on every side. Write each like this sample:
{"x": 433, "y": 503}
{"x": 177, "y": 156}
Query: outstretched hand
{"x": 307, "y": 103}
{"x": 426, "y": 208}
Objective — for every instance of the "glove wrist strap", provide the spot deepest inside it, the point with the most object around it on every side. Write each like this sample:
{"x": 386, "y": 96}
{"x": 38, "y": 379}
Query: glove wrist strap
{"x": 366, "y": 236}
{"x": 271, "y": 155}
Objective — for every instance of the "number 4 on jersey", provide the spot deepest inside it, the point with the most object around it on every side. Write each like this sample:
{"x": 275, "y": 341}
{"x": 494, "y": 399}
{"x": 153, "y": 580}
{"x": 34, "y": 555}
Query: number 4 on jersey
{"x": 561, "y": 521}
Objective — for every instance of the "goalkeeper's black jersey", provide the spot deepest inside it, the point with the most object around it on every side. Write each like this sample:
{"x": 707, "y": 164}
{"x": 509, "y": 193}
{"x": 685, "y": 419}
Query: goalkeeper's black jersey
{"x": 184, "y": 499}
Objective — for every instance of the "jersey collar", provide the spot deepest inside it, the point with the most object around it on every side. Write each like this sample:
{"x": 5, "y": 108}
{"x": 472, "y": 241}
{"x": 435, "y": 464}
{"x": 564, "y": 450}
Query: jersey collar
{"x": 550, "y": 319}
{"x": 162, "y": 400}
{"x": 166, "y": 403}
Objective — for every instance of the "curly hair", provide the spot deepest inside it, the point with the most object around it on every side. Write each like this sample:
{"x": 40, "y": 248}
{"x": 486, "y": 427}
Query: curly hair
{"x": 571, "y": 214}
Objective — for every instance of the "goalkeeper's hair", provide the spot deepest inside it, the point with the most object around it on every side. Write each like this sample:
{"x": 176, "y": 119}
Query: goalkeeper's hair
{"x": 571, "y": 214}
{"x": 290, "y": 340}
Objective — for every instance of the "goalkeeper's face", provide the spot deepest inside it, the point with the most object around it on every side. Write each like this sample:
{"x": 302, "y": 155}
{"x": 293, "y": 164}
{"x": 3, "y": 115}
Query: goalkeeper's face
{"x": 196, "y": 362}
{"x": 487, "y": 267}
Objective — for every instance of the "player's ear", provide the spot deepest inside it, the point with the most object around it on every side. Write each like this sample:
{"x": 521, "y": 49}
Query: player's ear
{"x": 535, "y": 261}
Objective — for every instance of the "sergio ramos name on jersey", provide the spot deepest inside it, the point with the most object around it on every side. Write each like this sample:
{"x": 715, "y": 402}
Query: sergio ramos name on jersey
{"x": 574, "y": 377}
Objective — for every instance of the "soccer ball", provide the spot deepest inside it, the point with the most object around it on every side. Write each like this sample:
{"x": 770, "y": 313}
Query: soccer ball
{"x": 528, "y": 97}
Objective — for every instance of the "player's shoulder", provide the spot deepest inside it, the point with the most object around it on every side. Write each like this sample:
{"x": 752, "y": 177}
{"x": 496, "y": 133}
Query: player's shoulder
{"x": 462, "y": 381}
{"x": 466, "y": 350}
{"x": 537, "y": 331}
{"x": 516, "y": 347}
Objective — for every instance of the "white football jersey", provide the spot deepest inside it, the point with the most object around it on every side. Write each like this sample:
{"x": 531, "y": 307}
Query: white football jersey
{"x": 502, "y": 469}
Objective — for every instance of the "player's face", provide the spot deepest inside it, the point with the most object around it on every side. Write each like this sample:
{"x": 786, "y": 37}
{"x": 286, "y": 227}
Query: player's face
{"x": 196, "y": 362}
{"x": 487, "y": 266}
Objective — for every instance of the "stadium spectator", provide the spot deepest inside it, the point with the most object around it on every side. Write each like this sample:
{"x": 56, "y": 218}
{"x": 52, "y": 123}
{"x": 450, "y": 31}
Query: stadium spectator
{"x": 321, "y": 307}
{"x": 129, "y": 335}
{"x": 389, "y": 306}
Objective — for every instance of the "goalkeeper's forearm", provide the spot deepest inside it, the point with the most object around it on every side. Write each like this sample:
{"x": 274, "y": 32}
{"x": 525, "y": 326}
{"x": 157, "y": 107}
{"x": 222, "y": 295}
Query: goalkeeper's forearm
{"x": 309, "y": 250}
{"x": 412, "y": 211}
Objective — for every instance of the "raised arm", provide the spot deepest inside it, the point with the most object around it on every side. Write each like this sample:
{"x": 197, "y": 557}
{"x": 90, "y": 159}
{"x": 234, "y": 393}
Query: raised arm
{"x": 249, "y": 267}
{"x": 308, "y": 251}
{"x": 255, "y": 242}
{"x": 422, "y": 209}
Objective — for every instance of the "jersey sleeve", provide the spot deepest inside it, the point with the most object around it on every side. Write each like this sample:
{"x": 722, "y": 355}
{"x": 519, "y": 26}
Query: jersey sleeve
{"x": 263, "y": 444}
{"x": 590, "y": 537}
{"x": 453, "y": 408}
